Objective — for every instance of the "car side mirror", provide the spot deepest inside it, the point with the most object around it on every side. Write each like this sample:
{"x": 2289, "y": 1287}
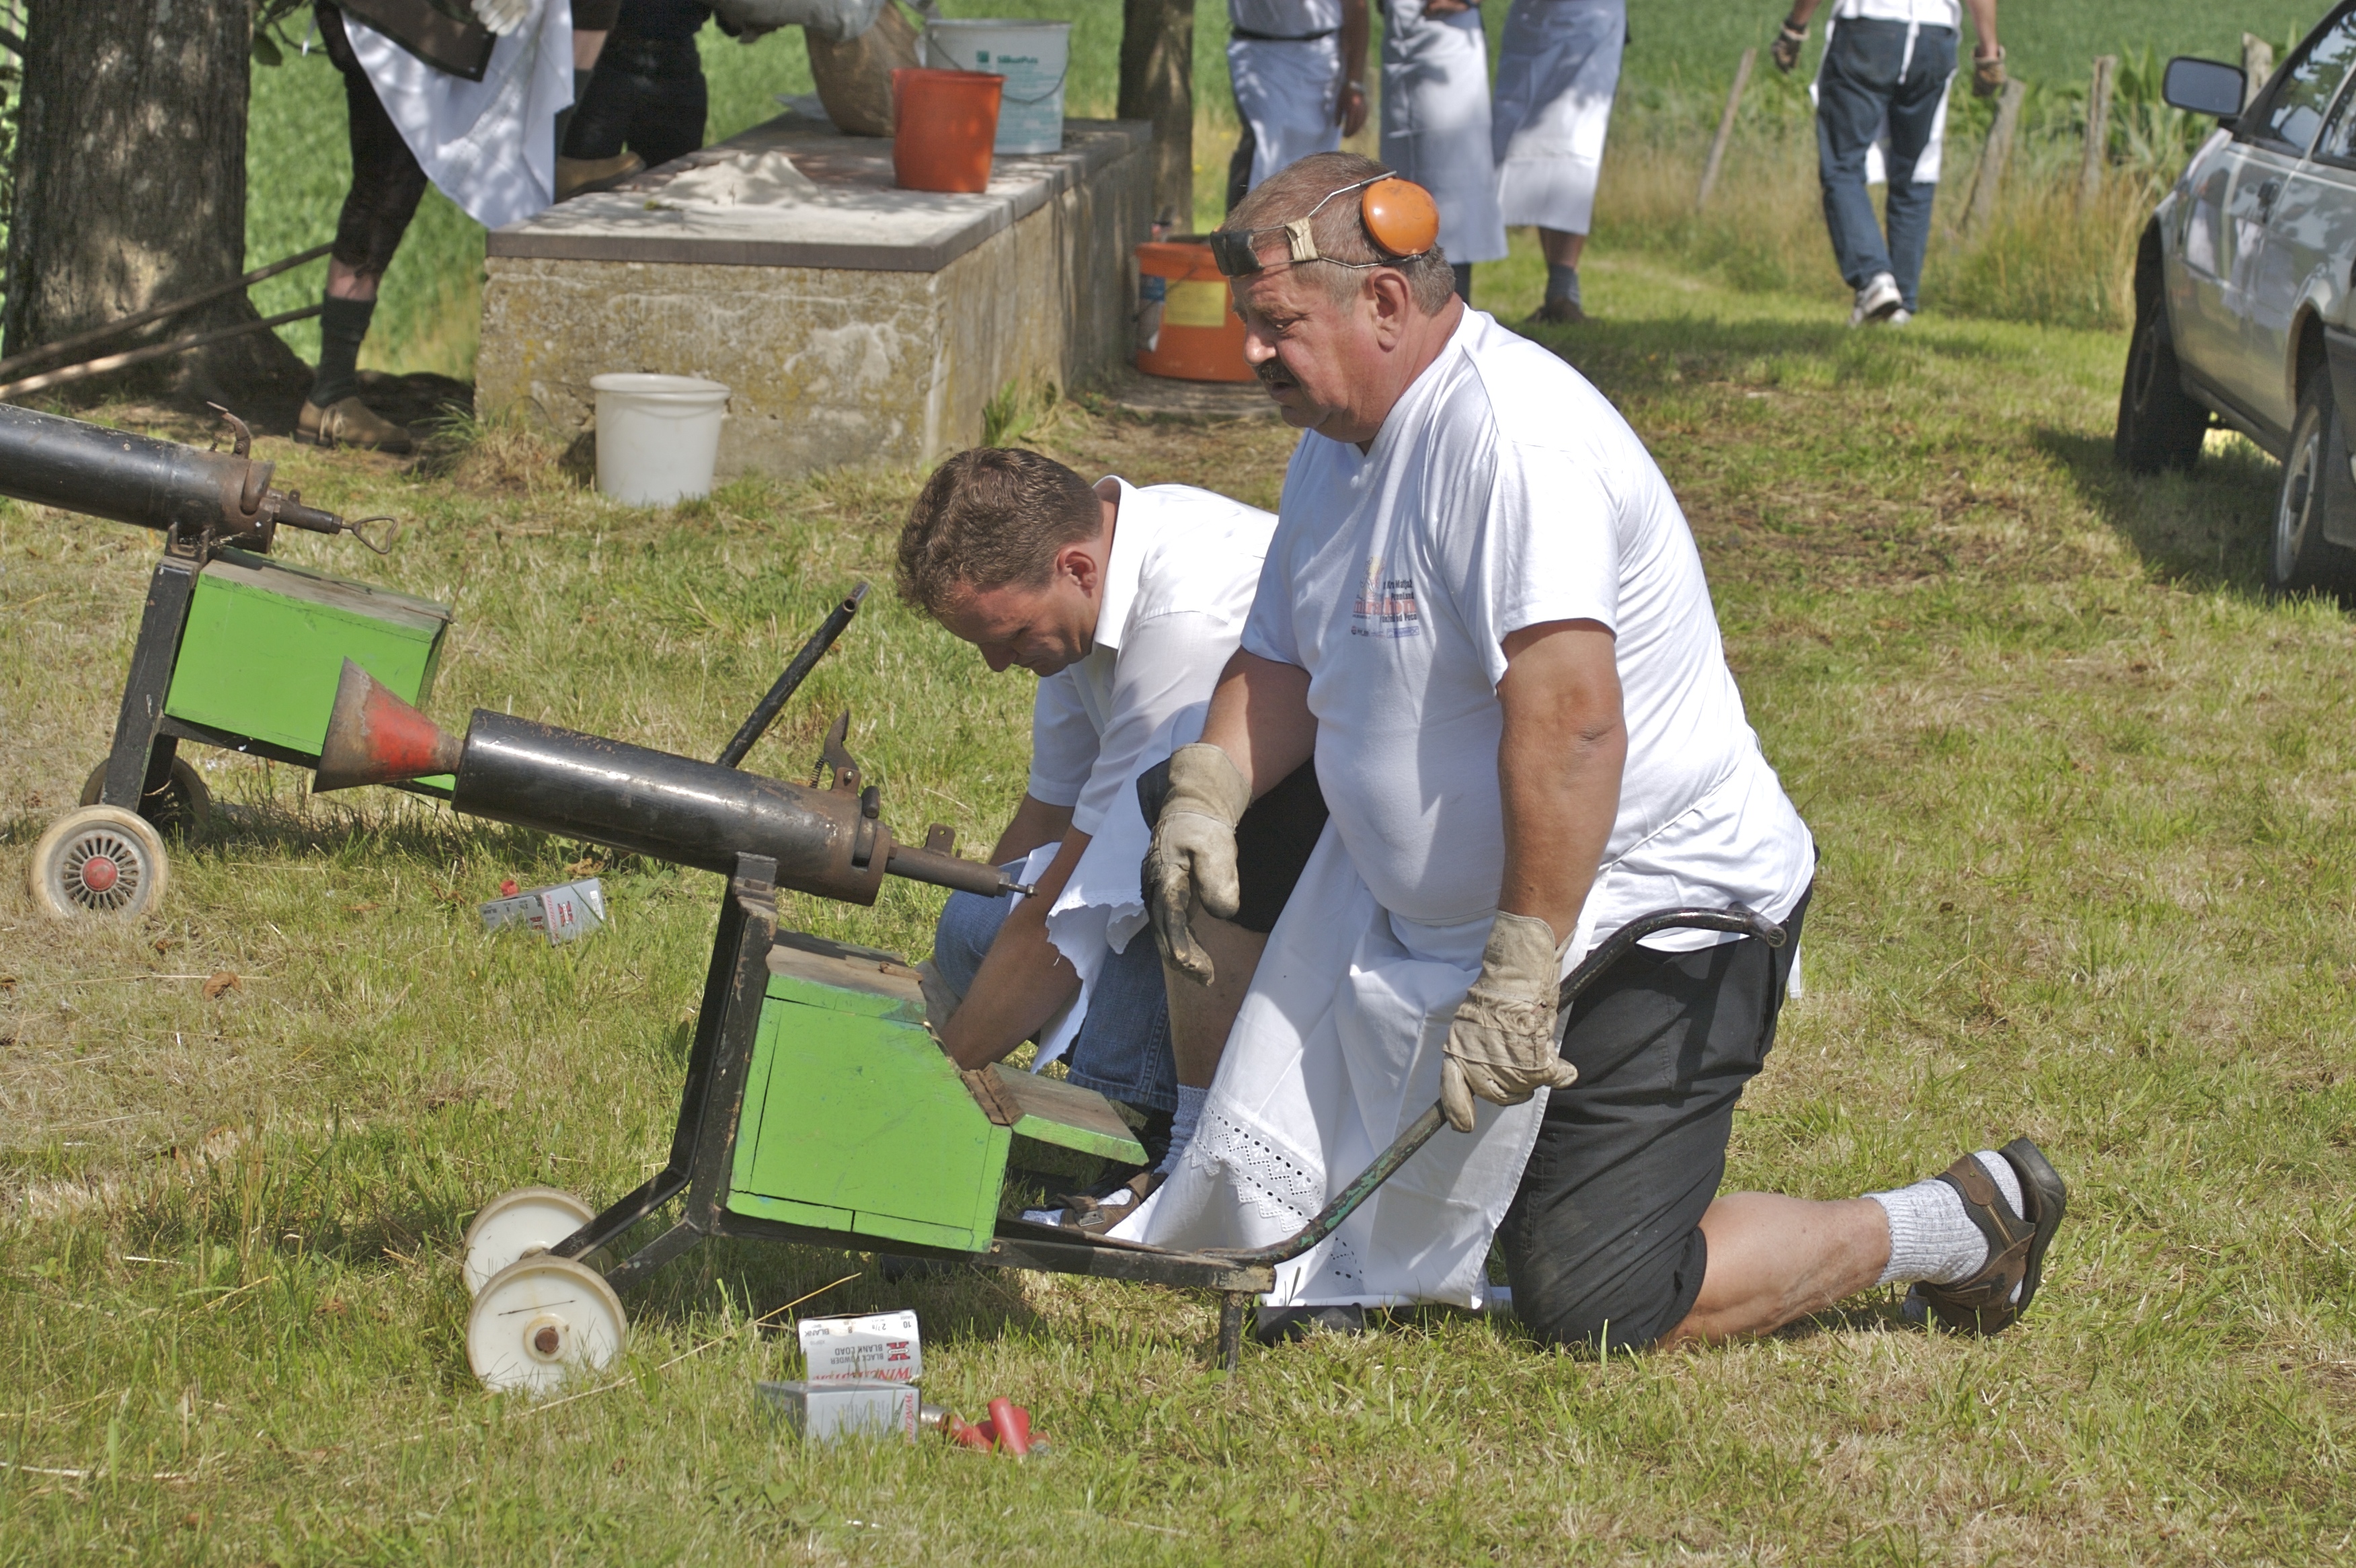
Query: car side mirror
{"x": 2205, "y": 87}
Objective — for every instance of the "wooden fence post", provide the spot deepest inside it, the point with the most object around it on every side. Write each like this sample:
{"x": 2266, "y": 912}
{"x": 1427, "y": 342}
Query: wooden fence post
{"x": 2257, "y": 65}
{"x": 1994, "y": 153}
{"x": 2098, "y": 130}
{"x": 1725, "y": 129}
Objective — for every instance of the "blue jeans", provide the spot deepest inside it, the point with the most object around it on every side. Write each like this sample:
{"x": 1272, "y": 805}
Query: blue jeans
{"x": 1860, "y": 85}
{"x": 1123, "y": 1047}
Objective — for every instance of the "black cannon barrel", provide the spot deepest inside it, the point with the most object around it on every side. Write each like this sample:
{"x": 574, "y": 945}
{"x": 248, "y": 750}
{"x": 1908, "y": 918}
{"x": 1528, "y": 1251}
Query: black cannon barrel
{"x": 51, "y": 460}
{"x": 690, "y": 812}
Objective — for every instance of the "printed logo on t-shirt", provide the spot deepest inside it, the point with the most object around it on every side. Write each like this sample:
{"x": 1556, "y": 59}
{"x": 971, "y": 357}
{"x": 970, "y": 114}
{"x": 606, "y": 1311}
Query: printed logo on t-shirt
{"x": 1385, "y": 606}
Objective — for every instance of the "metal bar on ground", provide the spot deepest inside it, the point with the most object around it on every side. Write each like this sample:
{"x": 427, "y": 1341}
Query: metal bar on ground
{"x": 1725, "y": 128}
{"x": 15, "y": 363}
{"x": 764, "y": 713}
{"x": 2098, "y": 130}
{"x": 159, "y": 351}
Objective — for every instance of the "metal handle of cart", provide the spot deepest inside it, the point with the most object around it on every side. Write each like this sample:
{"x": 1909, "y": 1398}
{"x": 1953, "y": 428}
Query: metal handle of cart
{"x": 1611, "y": 951}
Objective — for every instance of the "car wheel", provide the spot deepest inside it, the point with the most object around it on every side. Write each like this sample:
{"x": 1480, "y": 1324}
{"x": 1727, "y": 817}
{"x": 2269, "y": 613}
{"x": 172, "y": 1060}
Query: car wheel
{"x": 2160, "y": 425}
{"x": 2298, "y": 558}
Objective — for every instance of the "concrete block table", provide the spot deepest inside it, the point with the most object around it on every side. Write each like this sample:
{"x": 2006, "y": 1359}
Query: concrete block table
{"x": 854, "y": 323}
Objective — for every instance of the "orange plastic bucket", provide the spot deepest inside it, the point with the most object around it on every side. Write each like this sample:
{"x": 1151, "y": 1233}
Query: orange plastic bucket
{"x": 944, "y": 123}
{"x": 1186, "y": 323}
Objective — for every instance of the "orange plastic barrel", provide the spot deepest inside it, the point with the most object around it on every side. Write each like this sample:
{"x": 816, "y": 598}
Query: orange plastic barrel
{"x": 1186, "y": 323}
{"x": 944, "y": 123}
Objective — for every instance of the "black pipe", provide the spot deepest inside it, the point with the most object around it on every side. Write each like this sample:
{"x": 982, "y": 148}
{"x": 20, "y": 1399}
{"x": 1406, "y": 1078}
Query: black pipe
{"x": 764, "y": 713}
{"x": 51, "y": 460}
{"x": 695, "y": 813}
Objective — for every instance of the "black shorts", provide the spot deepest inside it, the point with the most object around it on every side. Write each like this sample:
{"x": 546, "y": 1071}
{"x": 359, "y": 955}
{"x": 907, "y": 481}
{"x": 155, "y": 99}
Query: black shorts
{"x": 1603, "y": 1241}
{"x": 1272, "y": 842}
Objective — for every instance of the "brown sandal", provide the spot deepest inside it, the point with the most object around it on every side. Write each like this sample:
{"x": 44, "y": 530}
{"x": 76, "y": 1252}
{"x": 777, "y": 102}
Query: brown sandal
{"x": 1985, "y": 1304}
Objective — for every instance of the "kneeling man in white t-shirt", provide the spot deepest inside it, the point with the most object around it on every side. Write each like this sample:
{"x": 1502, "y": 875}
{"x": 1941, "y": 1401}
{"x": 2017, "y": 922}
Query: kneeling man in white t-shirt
{"x": 1484, "y": 617}
{"x": 1126, "y": 603}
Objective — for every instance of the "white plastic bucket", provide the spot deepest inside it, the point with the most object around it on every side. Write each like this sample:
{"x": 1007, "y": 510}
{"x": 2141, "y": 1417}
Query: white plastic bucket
{"x": 1031, "y": 56}
{"x": 657, "y": 437}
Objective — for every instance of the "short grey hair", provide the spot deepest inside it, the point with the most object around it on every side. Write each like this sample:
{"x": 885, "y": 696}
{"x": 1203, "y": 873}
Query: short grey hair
{"x": 1340, "y": 232}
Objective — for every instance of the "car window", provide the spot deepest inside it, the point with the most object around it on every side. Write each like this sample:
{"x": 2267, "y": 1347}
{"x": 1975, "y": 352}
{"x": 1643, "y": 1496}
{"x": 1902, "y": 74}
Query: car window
{"x": 2337, "y": 143}
{"x": 2295, "y": 110}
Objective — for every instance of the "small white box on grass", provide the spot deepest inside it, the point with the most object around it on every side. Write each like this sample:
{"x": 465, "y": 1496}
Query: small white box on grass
{"x": 882, "y": 1346}
{"x": 848, "y": 1407}
{"x": 561, "y": 913}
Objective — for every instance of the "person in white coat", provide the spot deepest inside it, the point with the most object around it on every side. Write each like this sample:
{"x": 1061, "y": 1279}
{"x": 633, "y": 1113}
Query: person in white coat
{"x": 1299, "y": 69}
{"x": 1436, "y": 127}
{"x": 1484, "y": 619}
{"x": 1558, "y": 71}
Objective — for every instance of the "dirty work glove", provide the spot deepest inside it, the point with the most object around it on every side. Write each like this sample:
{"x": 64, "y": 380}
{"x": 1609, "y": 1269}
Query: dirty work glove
{"x": 1502, "y": 1045}
{"x": 501, "y": 17}
{"x": 1987, "y": 73}
{"x": 1193, "y": 853}
{"x": 1786, "y": 50}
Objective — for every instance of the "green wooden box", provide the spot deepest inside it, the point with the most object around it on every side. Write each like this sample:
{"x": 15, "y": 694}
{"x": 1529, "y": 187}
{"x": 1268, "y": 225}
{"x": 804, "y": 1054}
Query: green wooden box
{"x": 854, "y": 1120}
{"x": 266, "y": 642}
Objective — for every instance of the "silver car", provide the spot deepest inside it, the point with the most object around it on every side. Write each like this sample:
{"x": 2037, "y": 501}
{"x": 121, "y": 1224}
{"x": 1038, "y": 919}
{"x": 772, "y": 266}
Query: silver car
{"x": 2243, "y": 295}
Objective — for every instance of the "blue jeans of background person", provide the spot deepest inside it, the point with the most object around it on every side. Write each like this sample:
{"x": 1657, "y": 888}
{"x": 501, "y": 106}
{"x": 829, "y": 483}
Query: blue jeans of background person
{"x": 1867, "y": 77}
{"x": 1123, "y": 1047}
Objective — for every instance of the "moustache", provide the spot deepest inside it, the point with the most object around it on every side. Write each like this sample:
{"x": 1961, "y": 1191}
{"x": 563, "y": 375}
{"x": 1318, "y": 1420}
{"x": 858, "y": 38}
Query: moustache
{"x": 1272, "y": 374}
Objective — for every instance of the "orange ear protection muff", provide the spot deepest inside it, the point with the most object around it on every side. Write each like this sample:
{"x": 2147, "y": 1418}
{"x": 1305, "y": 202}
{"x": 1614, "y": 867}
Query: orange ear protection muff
{"x": 1399, "y": 216}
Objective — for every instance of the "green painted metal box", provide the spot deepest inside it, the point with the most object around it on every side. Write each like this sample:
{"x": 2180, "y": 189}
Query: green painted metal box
{"x": 855, "y": 1122}
{"x": 266, "y": 642}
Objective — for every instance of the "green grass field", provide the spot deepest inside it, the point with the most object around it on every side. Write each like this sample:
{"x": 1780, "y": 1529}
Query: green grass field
{"x": 2084, "y": 803}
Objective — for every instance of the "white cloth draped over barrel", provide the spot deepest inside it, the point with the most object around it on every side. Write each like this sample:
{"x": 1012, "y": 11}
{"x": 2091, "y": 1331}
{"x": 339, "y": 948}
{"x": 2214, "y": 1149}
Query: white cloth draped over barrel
{"x": 488, "y": 146}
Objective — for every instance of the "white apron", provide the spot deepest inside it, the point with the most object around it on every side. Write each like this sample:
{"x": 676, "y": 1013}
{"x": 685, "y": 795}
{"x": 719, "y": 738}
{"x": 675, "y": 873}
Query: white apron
{"x": 1557, "y": 74}
{"x": 1336, "y": 1049}
{"x": 488, "y": 146}
{"x": 1877, "y": 161}
{"x": 1436, "y": 122}
{"x": 1286, "y": 94}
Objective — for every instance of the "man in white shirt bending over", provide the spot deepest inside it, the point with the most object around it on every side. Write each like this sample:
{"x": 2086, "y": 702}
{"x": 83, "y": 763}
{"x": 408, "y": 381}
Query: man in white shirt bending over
{"x": 1484, "y": 619}
{"x": 1298, "y": 67}
{"x": 1126, "y": 603}
{"x": 1884, "y": 79}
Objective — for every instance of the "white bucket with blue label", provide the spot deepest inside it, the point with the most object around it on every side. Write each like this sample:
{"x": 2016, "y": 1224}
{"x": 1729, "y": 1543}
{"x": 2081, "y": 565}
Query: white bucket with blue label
{"x": 1031, "y": 56}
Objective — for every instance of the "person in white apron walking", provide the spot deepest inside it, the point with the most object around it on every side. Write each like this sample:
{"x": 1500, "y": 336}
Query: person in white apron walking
{"x": 1298, "y": 67}
{"x": 1882, "y": 87}
{"x": 1558, "y": 71}
{"x": 1436, "y": 127}
{"x": 1484, "y": 617}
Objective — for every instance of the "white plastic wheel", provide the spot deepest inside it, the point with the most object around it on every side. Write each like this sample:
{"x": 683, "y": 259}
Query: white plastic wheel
{"x": 540, "y": 1320}
{"x": 518, "y": 1224}
{"x": 102, "y": 863}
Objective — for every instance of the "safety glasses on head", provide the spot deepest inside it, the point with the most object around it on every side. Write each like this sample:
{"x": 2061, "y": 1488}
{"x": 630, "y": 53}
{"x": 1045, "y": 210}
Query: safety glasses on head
{"x": 1399, "y": 215}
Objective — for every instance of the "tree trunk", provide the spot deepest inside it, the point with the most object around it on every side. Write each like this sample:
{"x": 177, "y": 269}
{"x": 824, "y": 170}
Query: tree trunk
{"x": 1157, "y": 83}
{"x": 130, "y": 188}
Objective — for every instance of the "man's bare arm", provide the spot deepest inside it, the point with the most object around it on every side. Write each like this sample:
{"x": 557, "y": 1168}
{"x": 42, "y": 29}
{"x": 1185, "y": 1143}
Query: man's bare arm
{"x": 1023, "y": 980}
{"x": 1558, "y": 766}
{"x": 1035, "y": 823}
{"x": 1984, "y": 26}
{"x": 1259, "y": 717}
{"x": 1349, "y": 108}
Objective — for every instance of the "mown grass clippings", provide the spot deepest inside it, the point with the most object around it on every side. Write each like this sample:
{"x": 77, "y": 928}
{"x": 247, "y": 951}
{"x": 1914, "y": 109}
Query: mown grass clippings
{"x": 2083, "y": 797}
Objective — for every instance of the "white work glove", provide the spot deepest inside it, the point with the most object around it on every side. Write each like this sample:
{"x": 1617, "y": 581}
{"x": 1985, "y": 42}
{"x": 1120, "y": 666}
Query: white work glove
{"x": 501, "y": 17}
{"x": 1502, "y": 1045}
{"x": 1193, "y": 853}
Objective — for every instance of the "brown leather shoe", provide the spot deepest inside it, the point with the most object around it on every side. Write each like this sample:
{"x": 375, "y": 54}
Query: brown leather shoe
{"x": 1987, "y": 1303}
{"x": 580, "y": 176}
{"x": 1558, "y": 312}
{"x": 349, "y": 422}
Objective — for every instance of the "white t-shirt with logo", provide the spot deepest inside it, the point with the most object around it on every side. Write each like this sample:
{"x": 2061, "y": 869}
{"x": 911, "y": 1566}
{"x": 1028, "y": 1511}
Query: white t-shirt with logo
{"x": 1178, "y": 585}
{"x": 1505, "y": 491}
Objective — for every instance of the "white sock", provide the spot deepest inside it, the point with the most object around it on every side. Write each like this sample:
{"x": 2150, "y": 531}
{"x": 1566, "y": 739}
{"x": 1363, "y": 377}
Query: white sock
{"x": 1931, "y": 1237}
{"x": 1181, "y": 1127}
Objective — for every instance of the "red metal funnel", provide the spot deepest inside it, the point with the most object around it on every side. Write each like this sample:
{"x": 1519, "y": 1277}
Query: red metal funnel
{"x": 374, "y": 737}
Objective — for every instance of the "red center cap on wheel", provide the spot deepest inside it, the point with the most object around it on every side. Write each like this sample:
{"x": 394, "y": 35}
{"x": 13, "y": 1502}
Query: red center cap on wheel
{"x": 99, "y": 872}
